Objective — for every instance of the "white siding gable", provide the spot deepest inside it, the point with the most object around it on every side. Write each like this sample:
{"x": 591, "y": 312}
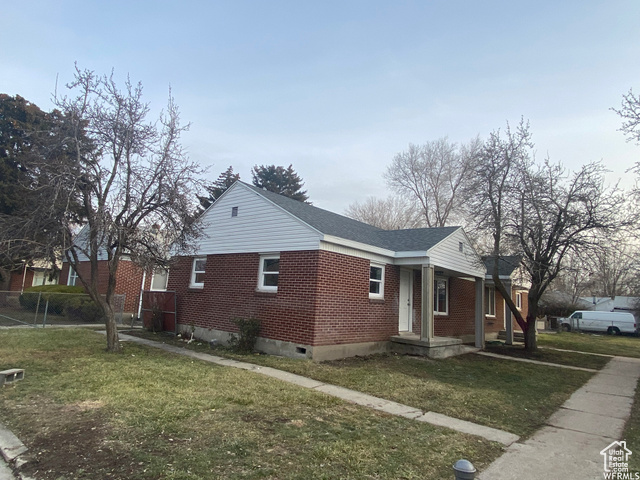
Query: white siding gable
{"x": 447, "y": 254}
{"x": 259, "y": 227}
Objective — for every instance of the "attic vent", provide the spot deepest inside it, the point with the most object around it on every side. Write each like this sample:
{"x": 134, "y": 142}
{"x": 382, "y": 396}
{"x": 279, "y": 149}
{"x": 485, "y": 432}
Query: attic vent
{"x": 234, "y": 211}
{"x": 461, "y": 246}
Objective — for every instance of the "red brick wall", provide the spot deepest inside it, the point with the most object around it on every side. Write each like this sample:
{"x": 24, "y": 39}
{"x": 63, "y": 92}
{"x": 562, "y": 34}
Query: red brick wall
{"x": 322, "y": 297}
{"x": 230, "y": 291}
{"x": 462, "y": 306}
{"x": 128, "y": 280}
{"x": 15, "y": 281}
{"x": 495, "y": 324}
{"x": 345, "y": 312}
{"x": 461, "y": 309}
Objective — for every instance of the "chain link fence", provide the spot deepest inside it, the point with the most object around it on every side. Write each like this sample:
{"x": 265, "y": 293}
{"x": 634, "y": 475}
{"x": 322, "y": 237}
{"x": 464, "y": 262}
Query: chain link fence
{"x": 38, "y": 309}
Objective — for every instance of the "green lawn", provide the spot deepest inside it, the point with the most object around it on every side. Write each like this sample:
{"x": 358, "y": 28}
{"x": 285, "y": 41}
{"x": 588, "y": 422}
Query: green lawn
{"x": 147, "y": 414}
{"x": 504, "y": 394}
{"x": 632, "y": 434}
{"x": 626, "y": 346}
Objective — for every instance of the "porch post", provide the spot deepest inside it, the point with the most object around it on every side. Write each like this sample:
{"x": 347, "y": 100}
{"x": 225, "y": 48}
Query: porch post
{"x": 479, "y": 312}
{"x": 508, "y": 327}
{"x": 426, "y": 330}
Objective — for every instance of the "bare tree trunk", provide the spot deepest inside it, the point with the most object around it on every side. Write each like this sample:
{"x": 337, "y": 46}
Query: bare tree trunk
{"x": 530, "y": 339}
{"x": 113, "y": 340}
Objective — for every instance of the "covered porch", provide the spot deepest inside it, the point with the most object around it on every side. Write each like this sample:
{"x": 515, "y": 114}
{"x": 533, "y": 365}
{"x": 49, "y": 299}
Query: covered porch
{"x": 440, "y": 309}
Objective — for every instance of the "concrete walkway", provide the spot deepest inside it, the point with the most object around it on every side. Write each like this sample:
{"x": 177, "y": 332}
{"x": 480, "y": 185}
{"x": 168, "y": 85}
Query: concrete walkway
{"x": 359, "y": 398}
{"x": 537, "y": 362}
{"x": 569, "y": 446}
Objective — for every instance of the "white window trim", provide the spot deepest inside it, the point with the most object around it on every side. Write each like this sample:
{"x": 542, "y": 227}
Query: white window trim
{"x": 378, "y": 296}
{"x": 491, "y": 289}
{"x": 43, "y": 275}
{"x": 446, "y": 300}
{"x": 519, "y": 300}
{"x": 261, "y": 273}
{"x": 166, "y": 280}
{"x": 192, "y": 282}
{"x": 72, "y": 276}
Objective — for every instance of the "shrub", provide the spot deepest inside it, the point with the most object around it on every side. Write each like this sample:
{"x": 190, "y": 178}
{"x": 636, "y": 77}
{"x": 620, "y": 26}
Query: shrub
{"x": 248, "y": 331}
{"x": 82, "y": 309}
{"x": 57, "y": 295}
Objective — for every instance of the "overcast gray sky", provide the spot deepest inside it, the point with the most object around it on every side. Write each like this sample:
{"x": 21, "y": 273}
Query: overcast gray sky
{"x": 338, "y": 87}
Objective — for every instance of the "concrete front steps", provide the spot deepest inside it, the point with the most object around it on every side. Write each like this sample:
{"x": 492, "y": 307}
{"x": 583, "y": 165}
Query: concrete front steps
{"x": 438, "y": 347}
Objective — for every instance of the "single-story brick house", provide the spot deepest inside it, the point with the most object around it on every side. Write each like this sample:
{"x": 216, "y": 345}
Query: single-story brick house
{"x": 36, "y": 274}
{"x": 326, "y": 286}
{"x": 498, "y": 317}
{"x": 131, "y": 279}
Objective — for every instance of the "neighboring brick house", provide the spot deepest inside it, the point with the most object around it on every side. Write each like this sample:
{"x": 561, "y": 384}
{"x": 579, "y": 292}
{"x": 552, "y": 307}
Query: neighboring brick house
{"x": 131, "y": 279}
{"x": 326, "y": 286}
{"x": 497, "y": 314}
{"x": 39, "y": 273}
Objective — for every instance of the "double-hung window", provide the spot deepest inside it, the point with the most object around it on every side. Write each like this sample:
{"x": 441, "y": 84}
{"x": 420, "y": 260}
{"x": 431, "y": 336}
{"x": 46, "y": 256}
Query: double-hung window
{"x": 376, "y": 281}
{"x": 197, "y": 272}
{"x": 269, "y": 273}
{"x": 73, "y": 277}
{"x": 159, "y": 279}
{"x": 490, "y": 301}
{"x": 43, "y": 277}
{"x": 440, "y": 296}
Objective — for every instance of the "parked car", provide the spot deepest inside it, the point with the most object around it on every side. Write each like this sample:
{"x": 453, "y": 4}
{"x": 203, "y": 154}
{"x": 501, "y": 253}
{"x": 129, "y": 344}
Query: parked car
{"x": 612, "y": 323}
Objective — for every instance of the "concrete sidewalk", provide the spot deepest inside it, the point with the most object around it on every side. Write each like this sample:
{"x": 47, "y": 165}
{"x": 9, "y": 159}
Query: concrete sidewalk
{"x": 359, "y": 398}
{"x": 569, "y": 446}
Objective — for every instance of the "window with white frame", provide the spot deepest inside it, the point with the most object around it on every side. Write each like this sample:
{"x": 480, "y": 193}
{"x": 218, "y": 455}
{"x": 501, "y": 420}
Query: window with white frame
{"x": 376, "y": 281}
{"x": 159, "y": 279}
{"x": 269, "y": 273}
{"x": 73, "y": 277}
{"x": 440, "y": 296}
{"x": 490, "y": 301}
{"x": 197, "y": 272}
{"x": 518, "y": 300}
{"x": 43, "y": 277}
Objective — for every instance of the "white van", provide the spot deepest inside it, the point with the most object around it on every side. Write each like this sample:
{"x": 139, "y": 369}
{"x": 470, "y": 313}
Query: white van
{"x": 612, "y": 323}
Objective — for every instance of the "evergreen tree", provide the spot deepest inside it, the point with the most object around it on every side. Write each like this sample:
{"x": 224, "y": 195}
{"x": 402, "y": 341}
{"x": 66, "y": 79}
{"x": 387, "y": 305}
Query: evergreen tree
{"x": 217, "y": 188}
{"x": 284, "y": 181}
{"x": 33, "y": 143}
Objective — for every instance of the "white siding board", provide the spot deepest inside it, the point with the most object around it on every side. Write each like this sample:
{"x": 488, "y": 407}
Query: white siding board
{"x": 259, "y": 227}
{"x": 353, "y": 252}
{"x": 446, "y": 254}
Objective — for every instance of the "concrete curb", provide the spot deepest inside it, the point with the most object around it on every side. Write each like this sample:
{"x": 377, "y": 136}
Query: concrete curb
{"x": 352, "y": 396}
{"x": 12, "y": 450}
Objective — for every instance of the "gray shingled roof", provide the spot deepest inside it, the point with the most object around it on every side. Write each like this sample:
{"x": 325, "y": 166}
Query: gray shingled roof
{"x": 506, "y": 265}
{"x": 329, "y": 223}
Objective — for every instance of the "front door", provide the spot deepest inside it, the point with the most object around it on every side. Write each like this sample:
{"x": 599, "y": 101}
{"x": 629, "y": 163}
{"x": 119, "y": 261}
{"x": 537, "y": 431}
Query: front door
{"x": 406, "y": 300}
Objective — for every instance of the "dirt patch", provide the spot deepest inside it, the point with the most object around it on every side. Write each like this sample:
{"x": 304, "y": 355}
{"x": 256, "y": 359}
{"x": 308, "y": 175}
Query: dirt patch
{"x": 71, "y": 442}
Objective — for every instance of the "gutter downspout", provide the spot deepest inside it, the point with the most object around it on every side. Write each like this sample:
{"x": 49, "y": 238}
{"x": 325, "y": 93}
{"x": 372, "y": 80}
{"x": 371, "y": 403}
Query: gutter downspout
{"x": 24, "y": 276}
{"x": 144, "y": 279}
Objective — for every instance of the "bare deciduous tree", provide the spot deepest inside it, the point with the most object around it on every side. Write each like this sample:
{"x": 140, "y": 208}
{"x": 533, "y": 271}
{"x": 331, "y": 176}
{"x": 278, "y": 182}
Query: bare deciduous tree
{"x": 392, "y": 213}
{"x": 539, "y": 210}
{"x": 135, "y": 184}
{"x": 630, "y": 113}
{"x": 576, "y": 278}
{"x": 433, "y": 175}
{"x": 615, "y": 265}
